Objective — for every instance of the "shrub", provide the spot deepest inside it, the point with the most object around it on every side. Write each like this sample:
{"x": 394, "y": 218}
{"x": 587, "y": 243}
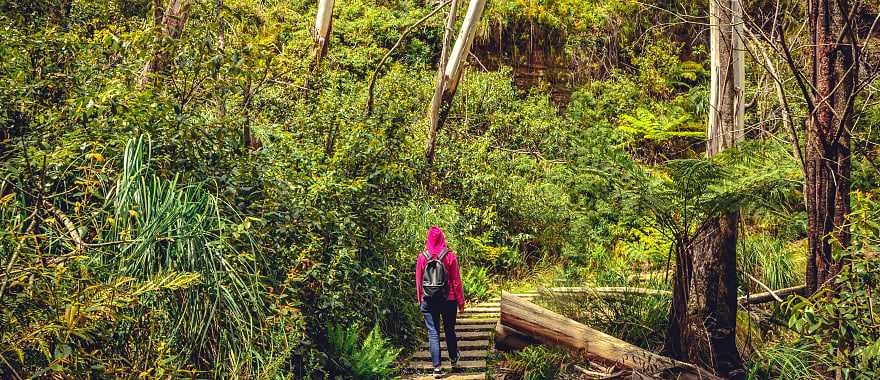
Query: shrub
{"x": 372, "y": 359}
{"x": 476, "y": 284}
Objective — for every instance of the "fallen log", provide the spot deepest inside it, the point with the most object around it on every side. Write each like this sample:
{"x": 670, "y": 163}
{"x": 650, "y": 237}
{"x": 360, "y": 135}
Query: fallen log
{"x": 508, "y": 339}
{"x": 754, "y": 299}
{"x": 553, "y": 329}
{"x": 614, "y": 291}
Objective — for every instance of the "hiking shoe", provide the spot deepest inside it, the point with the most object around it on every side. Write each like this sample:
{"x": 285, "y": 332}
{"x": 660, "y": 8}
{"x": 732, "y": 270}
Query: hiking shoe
{"x": 438, "y": 373}
{"x": 455, "y": 366}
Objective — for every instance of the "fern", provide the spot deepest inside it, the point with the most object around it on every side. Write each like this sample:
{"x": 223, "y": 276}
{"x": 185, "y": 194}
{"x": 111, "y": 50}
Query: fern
{"x": 373, "y": 359}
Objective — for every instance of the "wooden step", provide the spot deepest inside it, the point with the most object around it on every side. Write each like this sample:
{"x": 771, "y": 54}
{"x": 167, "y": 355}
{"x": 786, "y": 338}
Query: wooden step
{"x": 483, "y": 304}
{"x": 464, "y": 364}
{"x": 462, "y": 344}
{"x": 483, "y": 309}
{"x": 475, "y": 327}
{"x": 468, "y": 335}
{"x": 467, "y": 315}
{"x": 475, "y": 321}
{"x": 463, "y": 354}
{"x": 455, "y": 376}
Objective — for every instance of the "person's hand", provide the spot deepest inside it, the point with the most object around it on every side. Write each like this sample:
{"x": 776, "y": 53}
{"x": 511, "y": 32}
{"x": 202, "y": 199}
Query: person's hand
{"x": 461, "y": 308}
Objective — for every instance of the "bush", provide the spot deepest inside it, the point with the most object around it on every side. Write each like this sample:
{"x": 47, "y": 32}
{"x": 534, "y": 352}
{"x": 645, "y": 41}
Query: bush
{"x": 372, "y": 359}
{"x": 476, "y": 284}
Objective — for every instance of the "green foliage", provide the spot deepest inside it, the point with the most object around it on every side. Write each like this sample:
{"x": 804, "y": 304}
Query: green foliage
{"x": 635, "y": 318}
{"x": 769, "y": 260}
{"x": 786, "y": 361}
{"x": 205, "y": 257}
{"x": 840, "y": 321}
{"x": 535, "y": 363}
{"x": 371, "y": 359}
{"x": 476, "y": 284}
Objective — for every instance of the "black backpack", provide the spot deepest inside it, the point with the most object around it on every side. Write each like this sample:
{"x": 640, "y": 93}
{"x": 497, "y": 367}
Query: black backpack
{"x": 435, "y": 284}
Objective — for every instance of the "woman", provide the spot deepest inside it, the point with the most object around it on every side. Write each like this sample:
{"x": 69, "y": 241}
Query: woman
{"x": 440, "y": 292}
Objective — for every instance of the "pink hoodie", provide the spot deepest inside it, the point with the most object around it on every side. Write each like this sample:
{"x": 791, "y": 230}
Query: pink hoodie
{"x": 434, "y": 245}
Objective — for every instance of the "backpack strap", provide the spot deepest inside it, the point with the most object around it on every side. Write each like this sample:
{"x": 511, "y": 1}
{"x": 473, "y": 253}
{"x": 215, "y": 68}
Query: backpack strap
{"x": 426, "y": 254}
{"x": 442, "y": 254}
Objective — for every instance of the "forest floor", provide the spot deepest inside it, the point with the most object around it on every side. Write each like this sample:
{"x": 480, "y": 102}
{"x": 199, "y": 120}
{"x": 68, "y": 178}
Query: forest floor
{"x": 474, "y": 328}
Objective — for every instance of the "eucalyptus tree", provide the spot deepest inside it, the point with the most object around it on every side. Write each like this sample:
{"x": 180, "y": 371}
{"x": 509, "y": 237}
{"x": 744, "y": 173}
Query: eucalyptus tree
{"x": 702, "y": 326}
{"x": 830, "y": 101}
{"x": 323, "y": 26}
{"x": 449, "y": 71}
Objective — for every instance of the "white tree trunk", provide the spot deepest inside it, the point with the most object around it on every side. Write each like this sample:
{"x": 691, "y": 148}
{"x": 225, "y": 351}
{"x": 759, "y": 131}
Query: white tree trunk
{"x": 323, "y": 23}
{"x": 463, "y": 43}
{"x": 448, "y": 82}
{"x": 726, "y": 98}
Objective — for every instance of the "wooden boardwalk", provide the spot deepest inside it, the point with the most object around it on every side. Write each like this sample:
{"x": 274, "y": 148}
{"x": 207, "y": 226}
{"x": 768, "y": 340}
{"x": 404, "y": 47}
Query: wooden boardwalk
{"x": 474, "y": 328}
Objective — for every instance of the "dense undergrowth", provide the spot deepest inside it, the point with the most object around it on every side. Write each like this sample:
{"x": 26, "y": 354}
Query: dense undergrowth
{"x": 139, "y": 234}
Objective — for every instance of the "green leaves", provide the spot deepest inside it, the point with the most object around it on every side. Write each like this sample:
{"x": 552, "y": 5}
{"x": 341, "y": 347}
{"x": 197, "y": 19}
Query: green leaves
{"x": 371, "y": 359}
{"x": 842, "y": 321}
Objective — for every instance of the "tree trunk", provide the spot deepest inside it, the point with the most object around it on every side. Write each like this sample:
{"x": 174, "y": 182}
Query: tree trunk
{"x": 173, "y": 21}
{"x": 702, "y": 326}
{"x": 451, "y": 73}
{"x": 827, "y": 173}
{"x": 323, "y": 26}
{"x": 707, "y": 324}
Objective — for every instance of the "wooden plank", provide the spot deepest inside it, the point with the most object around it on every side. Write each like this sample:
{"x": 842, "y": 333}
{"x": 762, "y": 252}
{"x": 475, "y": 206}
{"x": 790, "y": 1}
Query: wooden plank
{"x": 754, "y": 299}
{"x": 464, "y": 364}
{"x": 554, "y": 329}
{"x": 468, "y": 335}
{"x": 492, "y": 317}
{"x": 462, "y": 344}
{"x": 483, "y": 309}
{"x": 474, "y": 327}
{"x": 613, "y": 291}
{"x": 608, "y": 291}
{"x": 475, "y": 321}
{"x": 463, "y": 354}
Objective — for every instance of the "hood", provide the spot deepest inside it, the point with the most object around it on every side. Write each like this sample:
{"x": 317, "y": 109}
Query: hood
{"x": 435, "y": 241}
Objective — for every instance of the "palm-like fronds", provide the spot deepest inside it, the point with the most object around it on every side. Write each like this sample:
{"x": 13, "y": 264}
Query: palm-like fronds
{"x": 683, "y": 192}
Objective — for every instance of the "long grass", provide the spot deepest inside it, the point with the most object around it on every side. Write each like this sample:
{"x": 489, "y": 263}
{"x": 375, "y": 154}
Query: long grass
{"x": 166, "y": 226}
{"x": 769, "y": 260}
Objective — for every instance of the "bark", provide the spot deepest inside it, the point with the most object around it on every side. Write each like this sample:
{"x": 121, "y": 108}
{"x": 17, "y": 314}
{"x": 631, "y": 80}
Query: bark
{"x": 703, "y": 330}
{"x": 828, "y": 166}
{"x": 174, "y": 19}
{"x": 323, "y": 27}
{"x": 550, "y": 328}
{"x": 451, "y": 72}
{"x": 508, "y": 339}
{"x": 702, "y": 326}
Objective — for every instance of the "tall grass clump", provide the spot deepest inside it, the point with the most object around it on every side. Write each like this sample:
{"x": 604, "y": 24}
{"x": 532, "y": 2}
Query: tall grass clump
{"x": 163, "y": 226}
{"x": 769, "y": 260}
{"x": 785, "y": 361}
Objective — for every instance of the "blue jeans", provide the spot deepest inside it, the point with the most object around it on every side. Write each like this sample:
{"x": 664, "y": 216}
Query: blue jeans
{"x": 432, "y": 313}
